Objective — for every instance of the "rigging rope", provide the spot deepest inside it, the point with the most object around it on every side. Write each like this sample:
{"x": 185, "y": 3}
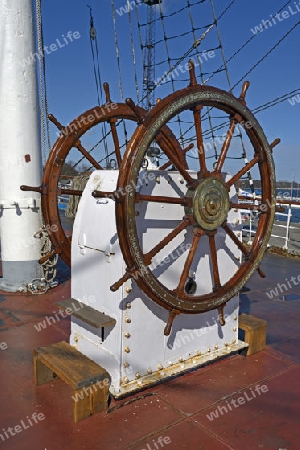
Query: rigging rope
{"x": 244, "y": 45}
{"x": 45, "y": 130}
{"x": 118, "y": 64}
{"x": 48, "y": 268}
{"x": 169, "y": 64}
{"x": 96, "y": 63}
{"x": 276, "y": 101}
{"x": 133, "y": 56}
{"x": 194, "y": 45}
{"x": 267, "y": 54}
{"x": 191, "y": 51}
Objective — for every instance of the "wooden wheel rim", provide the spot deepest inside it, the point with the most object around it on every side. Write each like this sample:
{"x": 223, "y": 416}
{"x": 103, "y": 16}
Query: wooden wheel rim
{"x": 62, "y": 147}
{"x": 125, "y": 209}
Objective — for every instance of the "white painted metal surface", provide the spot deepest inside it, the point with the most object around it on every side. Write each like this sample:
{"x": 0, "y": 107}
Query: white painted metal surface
{"x": 135, "y": 351}
{"x": 20, "y": 161}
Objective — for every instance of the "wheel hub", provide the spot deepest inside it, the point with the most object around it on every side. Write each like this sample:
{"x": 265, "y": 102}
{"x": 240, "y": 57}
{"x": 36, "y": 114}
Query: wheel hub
{"x": 210, "y": 204}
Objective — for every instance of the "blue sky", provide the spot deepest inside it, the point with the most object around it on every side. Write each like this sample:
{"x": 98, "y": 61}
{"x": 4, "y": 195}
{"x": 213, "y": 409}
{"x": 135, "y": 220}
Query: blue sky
{"x": 71, "y": 84}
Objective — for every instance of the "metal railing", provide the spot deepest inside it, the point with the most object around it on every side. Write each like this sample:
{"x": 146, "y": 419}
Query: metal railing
{"x": 287, "y": 224}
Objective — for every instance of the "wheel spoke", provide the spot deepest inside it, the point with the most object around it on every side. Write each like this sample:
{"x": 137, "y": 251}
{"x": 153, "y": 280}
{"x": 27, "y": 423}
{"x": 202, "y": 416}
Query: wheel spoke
{"x": 242, "y": 172}
{"x": 184, "y": 151}
{"x": 121, "y": 281}
{"x": 261, "y": 207}
{"x": 214, "y": 261}
{"x": 185, "y": 273}
{"x": 235, "y": 239}
{"x": 87, "y": 155}
{"x": 241, "y": 247}
{"x": 226, "y": 145}
{"x": 148, "y": 256}
{"x": 115, "y": 137}
{"x": 200, "y": 147}
{"x": 32, "y": 188}
{"x": 105, "y": 194}
{"x": 61, "y": 191}
{"x": 77, "y": 144}
{"x": 166, "y": 146}
{"x": 162, "y": 199}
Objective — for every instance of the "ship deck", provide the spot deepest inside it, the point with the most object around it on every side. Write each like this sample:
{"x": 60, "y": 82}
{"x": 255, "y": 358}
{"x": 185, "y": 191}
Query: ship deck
{"x": 179, "y": 411}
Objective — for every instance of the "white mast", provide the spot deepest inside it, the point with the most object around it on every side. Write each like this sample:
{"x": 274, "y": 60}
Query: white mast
{"x": 20, "y": 158}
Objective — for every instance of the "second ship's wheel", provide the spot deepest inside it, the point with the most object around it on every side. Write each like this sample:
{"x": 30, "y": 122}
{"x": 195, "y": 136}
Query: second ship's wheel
{"x": 204, "y": 201}
{"x": 71, "y": 137}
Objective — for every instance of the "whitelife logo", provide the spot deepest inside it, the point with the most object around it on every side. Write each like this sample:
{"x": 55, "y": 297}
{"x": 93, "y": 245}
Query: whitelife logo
{"x": 274, "y": 292}
{"x": 63, "y": 314}
{"x": 157, "y": 444}
{"x": 294, "y": 100}
{"x": 3, "y": 345}
{"x": 276, "y": 18}
{"x": 129, "y": 5}
{"x": 24, "y": 424}
{"x": 237, "y": 402}
{"x": 53, "y": 47}
{"x": 76, "y": 125}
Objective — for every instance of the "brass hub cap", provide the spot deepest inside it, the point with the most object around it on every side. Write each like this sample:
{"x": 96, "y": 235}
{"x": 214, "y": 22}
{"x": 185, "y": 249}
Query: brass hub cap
{"x": 210, "y": 204}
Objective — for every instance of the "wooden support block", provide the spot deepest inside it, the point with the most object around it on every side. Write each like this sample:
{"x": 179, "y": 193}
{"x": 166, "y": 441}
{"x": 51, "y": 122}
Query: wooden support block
{"x": 91, "y": 400}
{"x": 255, "y": 332}
{"x": 87, "y": 314}
{"x": 42, "y": 374}
{"x": 89, "y": 381}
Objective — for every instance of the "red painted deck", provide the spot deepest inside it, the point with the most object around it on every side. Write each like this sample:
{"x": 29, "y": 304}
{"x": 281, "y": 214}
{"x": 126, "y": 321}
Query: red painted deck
{"x": 173, "y": 415}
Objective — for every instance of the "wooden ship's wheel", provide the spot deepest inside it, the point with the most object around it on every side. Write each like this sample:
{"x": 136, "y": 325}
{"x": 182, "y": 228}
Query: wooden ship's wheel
{"x": 70, "y": 138}
{"x": 204, "y": 202}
